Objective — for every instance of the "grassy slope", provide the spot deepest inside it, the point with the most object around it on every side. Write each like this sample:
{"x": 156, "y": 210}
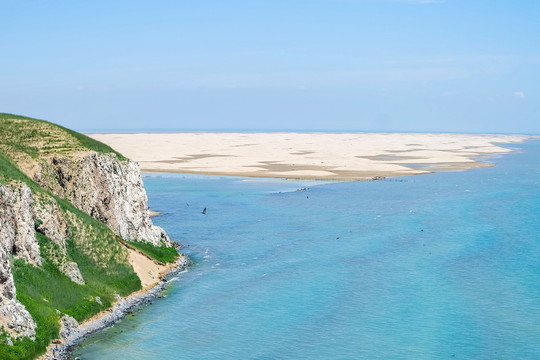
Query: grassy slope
{"x": 162, "y": 253}
{"x": 39, "y": 138}
{"x": 101, "y": 258}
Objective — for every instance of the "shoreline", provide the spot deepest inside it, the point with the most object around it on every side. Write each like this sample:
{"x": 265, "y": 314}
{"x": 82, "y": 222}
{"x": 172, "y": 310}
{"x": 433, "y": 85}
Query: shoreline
{"x": 64, "y": 349}
{"x": 351, "y": 176}
{"x": 470, "y": 158}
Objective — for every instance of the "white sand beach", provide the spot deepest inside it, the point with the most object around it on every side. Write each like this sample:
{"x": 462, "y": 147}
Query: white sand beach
{"x": 323, "y": 156}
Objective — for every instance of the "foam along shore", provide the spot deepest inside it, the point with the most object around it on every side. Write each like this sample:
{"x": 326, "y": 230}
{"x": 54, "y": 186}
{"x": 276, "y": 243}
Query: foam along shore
{"x": 322, "y": 156}
{"x": 74, "y": 333}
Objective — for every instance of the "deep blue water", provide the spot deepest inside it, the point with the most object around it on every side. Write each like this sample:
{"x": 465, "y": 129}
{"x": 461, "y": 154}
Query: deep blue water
{"x": 439, "y": 266}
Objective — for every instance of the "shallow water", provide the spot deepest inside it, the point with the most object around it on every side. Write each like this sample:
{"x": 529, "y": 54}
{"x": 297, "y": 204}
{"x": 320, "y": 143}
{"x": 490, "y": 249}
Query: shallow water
{"x": 439, "y": 266}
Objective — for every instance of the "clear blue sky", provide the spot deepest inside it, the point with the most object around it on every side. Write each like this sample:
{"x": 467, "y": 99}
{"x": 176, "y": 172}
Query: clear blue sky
{"x": 364, "y": 65}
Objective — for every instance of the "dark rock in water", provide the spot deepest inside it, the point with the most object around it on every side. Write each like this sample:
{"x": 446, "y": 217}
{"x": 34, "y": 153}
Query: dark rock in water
{"x": 378, "y": 178}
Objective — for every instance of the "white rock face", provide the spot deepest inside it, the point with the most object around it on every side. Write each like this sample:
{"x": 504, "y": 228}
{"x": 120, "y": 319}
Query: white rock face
{"x": 26, "y": 245}
{"x": 21, "y": 212}
{"x": 17, "y": 237}
{"x": 71, "y": 269}
{"x": 69, "y": 326}
{"x": 106, "y": 188}
{"x": 51, "y": 222}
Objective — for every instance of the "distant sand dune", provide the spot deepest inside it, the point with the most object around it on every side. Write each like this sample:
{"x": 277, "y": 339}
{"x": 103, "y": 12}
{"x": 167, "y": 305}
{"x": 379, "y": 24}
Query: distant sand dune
{"x": 324, "y": 156}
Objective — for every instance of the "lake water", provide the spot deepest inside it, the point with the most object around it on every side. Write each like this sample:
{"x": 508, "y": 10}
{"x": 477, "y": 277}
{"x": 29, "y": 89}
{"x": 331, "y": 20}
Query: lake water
{"x": 439, "y": 266}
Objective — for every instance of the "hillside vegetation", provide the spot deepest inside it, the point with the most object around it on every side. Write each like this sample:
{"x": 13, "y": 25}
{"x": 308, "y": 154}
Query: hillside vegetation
{"x": 45, "y": 291}
{"x": 25, "y": 139}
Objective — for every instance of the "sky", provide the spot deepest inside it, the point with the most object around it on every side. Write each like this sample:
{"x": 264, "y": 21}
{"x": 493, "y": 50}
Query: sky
{"x": 465, "y": 66}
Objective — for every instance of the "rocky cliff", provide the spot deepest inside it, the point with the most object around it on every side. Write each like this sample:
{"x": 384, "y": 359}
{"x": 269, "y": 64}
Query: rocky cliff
{"x": 67, "y": 203}
{"x": 17, "y": 238}
{"x": 108, "y": 189}
{"x": 23, "y": 215}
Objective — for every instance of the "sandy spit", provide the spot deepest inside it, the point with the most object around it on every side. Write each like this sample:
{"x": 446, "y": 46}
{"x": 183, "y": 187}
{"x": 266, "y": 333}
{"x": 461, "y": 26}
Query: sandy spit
{"x": 316, "y": 156}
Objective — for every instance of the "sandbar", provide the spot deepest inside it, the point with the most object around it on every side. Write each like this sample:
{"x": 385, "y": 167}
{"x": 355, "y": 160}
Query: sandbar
{"x": 317, "y": 156}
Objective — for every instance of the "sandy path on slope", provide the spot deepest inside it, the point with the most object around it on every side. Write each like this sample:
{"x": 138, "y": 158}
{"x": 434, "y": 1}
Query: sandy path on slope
{"x": 325, "y": 156}
{"x": 149, "y": 271}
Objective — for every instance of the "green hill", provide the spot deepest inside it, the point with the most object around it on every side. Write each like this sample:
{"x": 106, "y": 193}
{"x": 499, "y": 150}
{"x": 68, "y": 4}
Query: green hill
{"x": 45, "y": 290}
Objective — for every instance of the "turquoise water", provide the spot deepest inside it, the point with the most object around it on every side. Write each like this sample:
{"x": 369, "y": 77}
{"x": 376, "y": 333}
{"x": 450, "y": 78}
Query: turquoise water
{"x": 439, "y": 266}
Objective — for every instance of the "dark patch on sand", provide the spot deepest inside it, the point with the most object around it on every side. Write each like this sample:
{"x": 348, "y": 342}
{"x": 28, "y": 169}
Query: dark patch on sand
{"x": 385, "y": 158}
{"x": 182, "y": 159}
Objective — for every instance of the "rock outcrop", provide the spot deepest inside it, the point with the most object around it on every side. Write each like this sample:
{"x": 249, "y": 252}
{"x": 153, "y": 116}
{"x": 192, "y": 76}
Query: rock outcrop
{"x": 17, "y": 238}
{"x": 50, "y": 222}
{"x": 71, "y": 269}
{"x": 109, "y": 189}
{"x": 69, "y": 326}
{"x": 26, "y": 245}
{"x": 21, "y": 214}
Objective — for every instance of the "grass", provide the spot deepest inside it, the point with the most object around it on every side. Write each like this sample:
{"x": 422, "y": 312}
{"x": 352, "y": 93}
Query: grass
{"x": 50, "y": 288}
{"x": 163, "y": 253}
{"x": 37, "y": 138}
{"x": 10, "y": 172}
